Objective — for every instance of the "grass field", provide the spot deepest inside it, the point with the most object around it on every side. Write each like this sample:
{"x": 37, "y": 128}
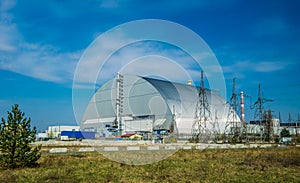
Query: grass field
{"x": 223, "y": 165}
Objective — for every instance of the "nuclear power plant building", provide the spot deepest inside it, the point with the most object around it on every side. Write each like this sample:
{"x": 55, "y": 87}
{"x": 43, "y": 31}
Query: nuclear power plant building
{"x": 134, "y": 104}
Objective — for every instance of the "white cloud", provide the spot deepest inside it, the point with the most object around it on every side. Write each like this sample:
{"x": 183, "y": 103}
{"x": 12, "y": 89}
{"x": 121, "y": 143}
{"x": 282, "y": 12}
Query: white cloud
{"x": 157, "y": 66}
{"x": 41, "y": 61}
{"x": 7, "y": 28}
{"x": 241, "y": 66}
{"x": 6, "y": 5}
{"x": 271, "y": 26}
{"x": 142, "y": 58}
{"x": 269, "y": 66}
{"x": 145, "y": 59}
{"x": 109, "y": 4}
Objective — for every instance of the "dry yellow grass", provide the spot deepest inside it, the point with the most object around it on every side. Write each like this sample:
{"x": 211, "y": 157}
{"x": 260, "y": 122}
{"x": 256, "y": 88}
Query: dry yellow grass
{"x": 232, "y": 165}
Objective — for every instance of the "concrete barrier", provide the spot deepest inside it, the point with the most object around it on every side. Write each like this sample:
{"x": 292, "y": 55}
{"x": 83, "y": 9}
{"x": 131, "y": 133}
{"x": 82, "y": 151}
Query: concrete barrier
{"x": 111, "y": 149}
{"x": 133, "y": 148}
{"x": 170, "y": 148}
{"x": 201, "y": 147}
{"x": 186, "y": 147}
{"x": 58, "y": 150}
{"x": 137, "y": 147}
{"x": 153, "y": 148}
{"x": 87, "y": 149}
{"x": 253, "y": 146}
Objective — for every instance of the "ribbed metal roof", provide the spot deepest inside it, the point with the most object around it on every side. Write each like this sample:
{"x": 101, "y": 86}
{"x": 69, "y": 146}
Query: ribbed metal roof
{"x": 148, "y": 96}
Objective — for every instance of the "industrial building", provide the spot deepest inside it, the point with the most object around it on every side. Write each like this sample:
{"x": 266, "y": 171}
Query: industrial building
{"x": 55, "y": 131}
{"x": 254, "y": 127}
{"x": 292, "y": 127}
{"x": 134, "y": 104}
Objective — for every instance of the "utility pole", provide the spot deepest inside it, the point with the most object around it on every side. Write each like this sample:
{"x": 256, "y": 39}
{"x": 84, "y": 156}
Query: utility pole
{"x": 200, "y": 133}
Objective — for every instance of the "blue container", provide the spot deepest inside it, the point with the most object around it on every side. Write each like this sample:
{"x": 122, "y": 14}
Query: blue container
{"x": 78, "y": 134}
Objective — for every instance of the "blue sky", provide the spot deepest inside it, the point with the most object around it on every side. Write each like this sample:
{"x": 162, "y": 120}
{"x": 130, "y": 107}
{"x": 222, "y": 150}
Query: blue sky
{"x": 42, "y": 41}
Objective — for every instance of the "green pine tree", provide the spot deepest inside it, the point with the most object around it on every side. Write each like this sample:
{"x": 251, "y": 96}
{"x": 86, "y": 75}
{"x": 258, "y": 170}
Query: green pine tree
{"x": 285, "y": 133}
{"x": 16, "y": 137}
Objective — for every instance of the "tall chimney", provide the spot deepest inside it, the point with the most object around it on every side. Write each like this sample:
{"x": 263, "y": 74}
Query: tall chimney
{"x": 242, "y": 108}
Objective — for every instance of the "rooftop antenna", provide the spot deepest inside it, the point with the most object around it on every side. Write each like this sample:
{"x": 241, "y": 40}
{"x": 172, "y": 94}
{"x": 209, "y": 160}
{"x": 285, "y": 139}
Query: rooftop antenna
{"x": 200, "y": 133}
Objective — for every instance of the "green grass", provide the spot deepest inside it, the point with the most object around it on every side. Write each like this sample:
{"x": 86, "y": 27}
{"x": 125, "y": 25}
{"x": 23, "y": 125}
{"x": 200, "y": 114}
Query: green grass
{"x": 232, "y": 165}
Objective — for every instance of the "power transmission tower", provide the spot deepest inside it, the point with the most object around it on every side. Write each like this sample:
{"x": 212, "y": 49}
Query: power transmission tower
{"x": 216, "y": 127}
{"x": 200, "y": 132}
{"x": 268, "y": 117}
{"x": 258, "y": 116}
{"x": 232, "y": 126}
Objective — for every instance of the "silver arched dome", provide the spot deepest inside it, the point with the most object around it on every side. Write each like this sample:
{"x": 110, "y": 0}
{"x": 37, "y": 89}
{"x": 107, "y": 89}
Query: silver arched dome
{"x": 147, "y": 104}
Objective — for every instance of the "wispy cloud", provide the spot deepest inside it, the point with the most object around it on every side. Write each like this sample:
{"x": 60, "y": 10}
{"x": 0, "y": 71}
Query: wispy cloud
{"x": 109, "y": 4}
{"x": 146, "y": 58}
{"x": 7, "y": 28}
{"x": 271, "y": 26}
{"x": 36, "y": 60}
{"x": 270, "y": 66}
{"x": 257, "y": 66}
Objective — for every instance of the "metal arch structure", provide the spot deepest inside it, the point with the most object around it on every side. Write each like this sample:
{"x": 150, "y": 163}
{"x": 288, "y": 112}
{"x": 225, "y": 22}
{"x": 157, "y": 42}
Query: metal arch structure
{"x": 149, "y": 102}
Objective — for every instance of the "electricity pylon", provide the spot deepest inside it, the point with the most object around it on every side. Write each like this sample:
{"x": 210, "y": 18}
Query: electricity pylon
{"x": 233, "y": 125}
{"x": 200, "y": 132}
{"x": 259, "y": 109}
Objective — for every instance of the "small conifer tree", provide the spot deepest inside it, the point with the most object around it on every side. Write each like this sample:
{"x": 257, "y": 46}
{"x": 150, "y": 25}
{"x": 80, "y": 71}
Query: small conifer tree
{"x": 285, "y": 133}
{"x": 16, "y": 137}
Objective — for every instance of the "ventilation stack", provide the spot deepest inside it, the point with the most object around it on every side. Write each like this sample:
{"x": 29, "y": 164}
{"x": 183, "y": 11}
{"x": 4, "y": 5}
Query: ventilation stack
{"x": 242, "y": 107}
